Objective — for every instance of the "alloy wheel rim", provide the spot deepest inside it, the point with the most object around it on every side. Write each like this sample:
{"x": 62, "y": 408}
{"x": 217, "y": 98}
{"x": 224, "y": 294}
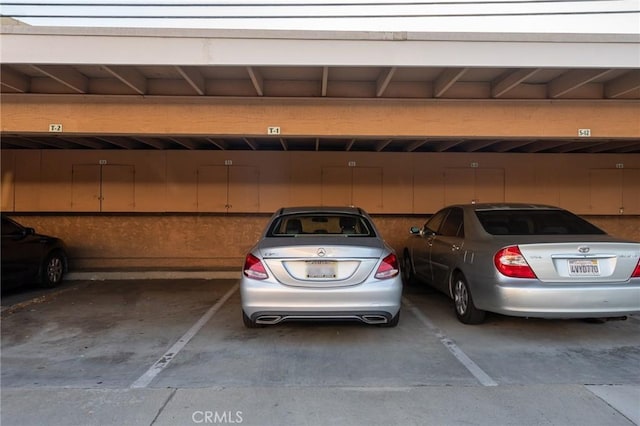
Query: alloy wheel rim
{"x": 461, "y": 297}
{"x": 54, "y": 269}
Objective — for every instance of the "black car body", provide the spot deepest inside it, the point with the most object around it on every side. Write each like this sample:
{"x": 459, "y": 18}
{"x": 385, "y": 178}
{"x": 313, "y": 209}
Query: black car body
{"x": 29, "y": 258}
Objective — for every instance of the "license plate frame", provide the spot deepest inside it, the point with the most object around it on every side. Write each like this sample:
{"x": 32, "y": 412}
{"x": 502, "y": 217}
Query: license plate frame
{"x": 584, "y": 267}
{"x": 321, "y": 269}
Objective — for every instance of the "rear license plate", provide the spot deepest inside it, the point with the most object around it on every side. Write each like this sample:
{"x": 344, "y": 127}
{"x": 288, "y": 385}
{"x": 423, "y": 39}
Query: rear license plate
{"x": 321, "y": 269}
{"x": 584, "y": 268}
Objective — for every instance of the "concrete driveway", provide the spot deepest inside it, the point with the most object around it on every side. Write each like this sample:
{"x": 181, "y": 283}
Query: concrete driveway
{"x": 175, "y": 352}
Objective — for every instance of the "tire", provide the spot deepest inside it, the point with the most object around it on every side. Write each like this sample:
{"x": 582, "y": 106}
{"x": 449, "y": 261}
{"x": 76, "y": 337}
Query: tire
{"x": 466, "y": 310}
{"x": 393, "y": 322}
{"x": 408, "y": 276}
{"x": 247, "y": 321}
{"x": 53, "y": 269}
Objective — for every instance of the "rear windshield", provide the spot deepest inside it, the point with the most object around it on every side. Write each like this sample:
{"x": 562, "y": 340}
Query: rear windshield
{"x": 321, "y": 224}
{"x": 535, "y": 222}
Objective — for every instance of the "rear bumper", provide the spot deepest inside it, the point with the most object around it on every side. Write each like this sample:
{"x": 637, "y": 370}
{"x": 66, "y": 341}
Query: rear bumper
{"x": 375, "y": 298}
{"x": 560, "y": 300}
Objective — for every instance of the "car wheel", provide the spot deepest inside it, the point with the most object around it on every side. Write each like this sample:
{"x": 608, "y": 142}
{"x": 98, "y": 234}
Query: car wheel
{"x": 466, "y": 311}
{"x": 408, "y": 277}
{"x": 53, "y": 269}
{"x": 248, "y": 322}
{"x": 393, "y": 322}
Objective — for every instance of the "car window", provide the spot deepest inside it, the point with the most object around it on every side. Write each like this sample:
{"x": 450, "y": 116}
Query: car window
{"x": 535, "y": 222}
{"x": 433, "y": 224}
{"x": 321, "y": 224}
{"x": 453, "y": 224}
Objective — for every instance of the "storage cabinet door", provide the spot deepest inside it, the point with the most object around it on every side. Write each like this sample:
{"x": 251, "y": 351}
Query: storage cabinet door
{"x": 118, "y": 188}
{"x": 631, "y": 191}
{"x": 336, "y": 186}
{"x": 244, "y": 189}
{"x": 85, "y": 188}
{"x": 489, "y": 186}
{"x": 212, "y": 189}
{"x": 459, "y": 186}
{"x": 367, "y": 188}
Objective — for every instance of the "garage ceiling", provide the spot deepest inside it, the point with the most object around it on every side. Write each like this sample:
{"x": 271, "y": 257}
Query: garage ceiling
{"x": 321, "y": 76}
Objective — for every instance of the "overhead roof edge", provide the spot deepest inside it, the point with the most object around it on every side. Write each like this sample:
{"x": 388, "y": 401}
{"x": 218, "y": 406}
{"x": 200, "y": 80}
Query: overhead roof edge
{"x": 321, "y": 35}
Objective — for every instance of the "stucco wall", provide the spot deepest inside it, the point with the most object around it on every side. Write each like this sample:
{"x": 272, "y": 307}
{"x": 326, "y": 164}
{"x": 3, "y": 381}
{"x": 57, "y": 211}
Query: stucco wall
{"x": 191, "y": 241}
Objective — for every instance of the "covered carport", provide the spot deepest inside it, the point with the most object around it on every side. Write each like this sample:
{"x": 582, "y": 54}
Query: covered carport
{"x": 154, "y": 148}
{"x": 168, "y": 149}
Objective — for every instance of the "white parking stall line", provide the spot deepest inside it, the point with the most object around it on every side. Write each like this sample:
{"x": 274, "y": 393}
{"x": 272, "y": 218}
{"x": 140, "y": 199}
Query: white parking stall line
{"x": 168, "y": 356}
{"x": 478, "y": 373}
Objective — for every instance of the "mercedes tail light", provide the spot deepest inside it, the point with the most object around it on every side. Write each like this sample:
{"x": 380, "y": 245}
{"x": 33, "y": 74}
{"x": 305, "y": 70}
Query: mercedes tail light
{"x": 388, "y": 267}
{"x": 511, "y": 263}
{"x": 253, "y": 268}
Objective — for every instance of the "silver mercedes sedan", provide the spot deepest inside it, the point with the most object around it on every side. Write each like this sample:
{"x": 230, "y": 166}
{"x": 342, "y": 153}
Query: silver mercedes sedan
{"x": 523, "y": 260}
{"x": 321, "y": 263}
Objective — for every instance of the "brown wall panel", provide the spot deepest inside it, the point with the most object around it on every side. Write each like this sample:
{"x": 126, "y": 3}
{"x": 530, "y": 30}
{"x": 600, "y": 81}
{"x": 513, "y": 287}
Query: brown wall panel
{"x": 366, "y": 187}
{"x": 213, "y": 184}
{"x": 397, "y": 184}
{"x": 428, "y": 187}
{"x": 459, "y": 186}
{"x": 605, "y": 191}
{"x": 118, "y": 188}
{"x": 336, "y": 186}
{"x": 275, "y": 169}
{"x": 306, "y": 178}
{"x": 7, "y": 185}
{"x": 85, "y": 188}
{"x": 631, "y": 191}
{"x": 57, "y": 179}
{"x": 303, "y": 117}
{"x": 243, "y": 189}
{"x": 27, "y": 180}
{"x": 489, "y": 186}
{"x": 530, "y": 183}
{"x": 197, "y": 241}
{"x": 182, "y": 181}
{"x": 256, "y": 182}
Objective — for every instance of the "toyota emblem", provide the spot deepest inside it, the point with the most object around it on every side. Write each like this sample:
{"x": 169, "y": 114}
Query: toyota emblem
{"x": 322, "y": 252}
{"x": 583, "y": 249}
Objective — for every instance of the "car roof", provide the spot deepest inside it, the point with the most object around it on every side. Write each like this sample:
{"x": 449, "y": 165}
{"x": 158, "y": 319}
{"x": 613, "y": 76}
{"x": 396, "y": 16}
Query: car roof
{"x": 507, "y": 206}
{"x": 321, "y": 209}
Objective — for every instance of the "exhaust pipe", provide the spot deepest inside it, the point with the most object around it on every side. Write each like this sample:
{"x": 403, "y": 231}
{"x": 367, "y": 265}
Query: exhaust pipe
{"x": 269, "y": 319}
{"x": 374, "y": 319}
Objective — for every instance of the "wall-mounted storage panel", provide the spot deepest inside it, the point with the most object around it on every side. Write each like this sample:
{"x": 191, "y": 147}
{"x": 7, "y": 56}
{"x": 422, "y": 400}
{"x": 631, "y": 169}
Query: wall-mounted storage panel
{"x": 118, "y": 188}
{"x": 228, "y": 189}
{"x": 367, "y": 188}
{"x": 614, "y": 191}
{"x": 85, "y": 187}
{"x": 8, "y": 180}
{"x": 336, "y": 186}
{"x": 28, "y": 181}
{"x": 244, "y": 189}
{"x": 352, "y": 186}
{"x": 102, "y": 188}
{"x": 212, "y": 188}
{"x": 489, "y": 186}
{"x": 261, "y": 182}
{"x": 631, "y": 191}
{"x": 473, "y": 185}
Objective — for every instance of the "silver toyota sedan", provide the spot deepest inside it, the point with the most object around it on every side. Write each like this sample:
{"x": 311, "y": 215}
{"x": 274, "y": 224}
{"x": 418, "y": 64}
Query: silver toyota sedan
{"x": 321, "y": 263}
{"x": 523, "y": 260}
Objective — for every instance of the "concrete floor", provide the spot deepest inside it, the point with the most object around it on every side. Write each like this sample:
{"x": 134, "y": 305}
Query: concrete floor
{"x": 167, "y": 352}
